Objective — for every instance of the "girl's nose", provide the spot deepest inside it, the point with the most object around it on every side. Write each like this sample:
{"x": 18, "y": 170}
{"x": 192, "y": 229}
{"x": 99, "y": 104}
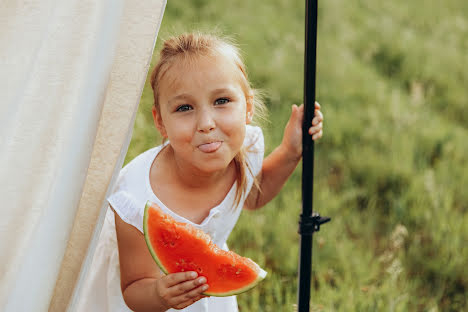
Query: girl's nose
{"x": 206, "y": 122}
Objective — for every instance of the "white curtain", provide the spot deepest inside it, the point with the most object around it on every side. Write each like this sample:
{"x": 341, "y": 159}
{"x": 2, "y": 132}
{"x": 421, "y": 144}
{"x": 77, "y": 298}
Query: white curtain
{"x": 71, "y": 76}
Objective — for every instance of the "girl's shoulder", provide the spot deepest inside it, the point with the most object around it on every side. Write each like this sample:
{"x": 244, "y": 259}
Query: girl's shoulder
{"x": 140, "y": 162}
{"x": 131, "y": 190}
{"x": 253, "y": 138}
{"x": 254, "y": 147}
{"x": 137, "y": 170}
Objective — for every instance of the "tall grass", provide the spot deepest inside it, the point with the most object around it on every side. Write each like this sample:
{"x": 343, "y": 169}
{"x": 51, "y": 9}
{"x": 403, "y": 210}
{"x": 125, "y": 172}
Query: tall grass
{"x": 392, "y": 167}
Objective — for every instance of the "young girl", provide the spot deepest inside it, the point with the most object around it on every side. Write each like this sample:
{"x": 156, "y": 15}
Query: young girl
{"x": 210, "y": 167}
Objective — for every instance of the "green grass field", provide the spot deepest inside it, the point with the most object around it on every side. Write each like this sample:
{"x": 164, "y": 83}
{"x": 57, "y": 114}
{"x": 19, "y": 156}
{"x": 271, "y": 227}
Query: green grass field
{"x": 392, "y": 167}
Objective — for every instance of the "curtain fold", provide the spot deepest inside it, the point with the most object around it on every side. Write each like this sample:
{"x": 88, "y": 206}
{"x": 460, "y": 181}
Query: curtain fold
{"x": 71, "y": 78}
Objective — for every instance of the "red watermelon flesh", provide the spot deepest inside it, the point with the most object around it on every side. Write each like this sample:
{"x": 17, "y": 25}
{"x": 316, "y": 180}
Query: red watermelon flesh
{"x": 180, "y": 247}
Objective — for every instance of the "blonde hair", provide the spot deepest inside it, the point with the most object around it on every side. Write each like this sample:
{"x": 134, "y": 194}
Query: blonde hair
{"x": 188, "y": 46}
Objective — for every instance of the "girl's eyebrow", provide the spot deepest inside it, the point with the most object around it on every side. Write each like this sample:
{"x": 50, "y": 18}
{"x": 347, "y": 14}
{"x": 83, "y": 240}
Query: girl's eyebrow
{"x": 221, "y": 90}
{"x": 179, "y": 96}
{"x": 184, "y": 96}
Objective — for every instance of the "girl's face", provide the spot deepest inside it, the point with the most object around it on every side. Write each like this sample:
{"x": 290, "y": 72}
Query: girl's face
{"x": 203, "y": 112}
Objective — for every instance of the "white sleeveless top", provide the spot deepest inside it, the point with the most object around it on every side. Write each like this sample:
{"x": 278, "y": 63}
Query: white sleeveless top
{"x": 101, "y": 287}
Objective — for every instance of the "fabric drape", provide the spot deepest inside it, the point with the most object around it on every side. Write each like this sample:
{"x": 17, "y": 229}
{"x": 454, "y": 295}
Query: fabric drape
{"x": 71, "y": 77}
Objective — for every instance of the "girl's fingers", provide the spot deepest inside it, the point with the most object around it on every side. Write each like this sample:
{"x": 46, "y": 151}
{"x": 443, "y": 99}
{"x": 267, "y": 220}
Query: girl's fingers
{"x": 197, "y": 291}
{"x": 317, "y": 113}
{"x": 299, "y": 108}
{"x": 184, "y": 287}
{"x": 317, "y": 135}
{"x": 315, "y": 129}
{"x": 297, "y": 113}
{"x": 318, "y": 118}
{"x": 190, "y": 297}
{"x": 301, "y": 113}
{"x": 317, "y": 106}
{"x": 177, "y": 278}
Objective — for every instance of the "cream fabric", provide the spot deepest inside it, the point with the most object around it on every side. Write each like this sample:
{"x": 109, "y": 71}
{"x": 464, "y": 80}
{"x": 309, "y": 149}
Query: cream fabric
{"x": 71, "y": 75}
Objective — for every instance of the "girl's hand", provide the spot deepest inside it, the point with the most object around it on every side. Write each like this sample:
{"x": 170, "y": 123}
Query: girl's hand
{"x": 292, "y": 138}
{"x": 179, "y": 290}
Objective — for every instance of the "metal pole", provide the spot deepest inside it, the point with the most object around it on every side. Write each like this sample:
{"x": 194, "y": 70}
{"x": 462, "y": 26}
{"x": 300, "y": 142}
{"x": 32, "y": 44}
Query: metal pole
{"x": 309, "y": 221}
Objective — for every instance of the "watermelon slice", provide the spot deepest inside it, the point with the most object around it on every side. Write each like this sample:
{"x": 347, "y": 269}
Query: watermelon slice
{"x": 179, "y": 247}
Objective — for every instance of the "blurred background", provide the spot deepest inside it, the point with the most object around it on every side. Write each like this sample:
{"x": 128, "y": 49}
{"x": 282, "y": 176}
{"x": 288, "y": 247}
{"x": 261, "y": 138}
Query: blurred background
{"x": 392, "y": 166}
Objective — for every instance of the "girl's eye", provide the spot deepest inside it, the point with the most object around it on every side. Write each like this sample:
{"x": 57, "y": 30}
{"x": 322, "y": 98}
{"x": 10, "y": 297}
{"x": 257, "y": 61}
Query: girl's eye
{"x": 183, "y": 108}
{"x": 221, "y": 101}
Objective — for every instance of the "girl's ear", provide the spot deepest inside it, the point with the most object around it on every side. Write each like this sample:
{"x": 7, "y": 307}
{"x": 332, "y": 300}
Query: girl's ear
{"x": 158, "y": 122}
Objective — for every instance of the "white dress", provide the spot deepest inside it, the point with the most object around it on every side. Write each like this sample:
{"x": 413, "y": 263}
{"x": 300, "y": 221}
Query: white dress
{"x": 101, "y": 288}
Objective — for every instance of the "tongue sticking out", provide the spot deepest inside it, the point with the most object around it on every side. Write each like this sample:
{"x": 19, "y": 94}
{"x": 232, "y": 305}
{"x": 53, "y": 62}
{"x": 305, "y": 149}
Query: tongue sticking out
{"x": 210, "y": 147}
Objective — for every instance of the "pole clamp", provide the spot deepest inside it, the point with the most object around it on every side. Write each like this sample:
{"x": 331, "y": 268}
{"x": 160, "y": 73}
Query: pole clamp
{"x": 310, "y": 224}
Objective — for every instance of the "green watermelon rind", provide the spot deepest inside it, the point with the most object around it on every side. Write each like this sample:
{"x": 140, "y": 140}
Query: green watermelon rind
{"x": 147, "y": 239}
{"x": 261, "y": 273}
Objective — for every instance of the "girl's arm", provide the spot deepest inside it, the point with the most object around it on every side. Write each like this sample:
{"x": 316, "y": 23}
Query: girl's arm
{"x": 144, "y": 287}
{"x": 280, "y": 164}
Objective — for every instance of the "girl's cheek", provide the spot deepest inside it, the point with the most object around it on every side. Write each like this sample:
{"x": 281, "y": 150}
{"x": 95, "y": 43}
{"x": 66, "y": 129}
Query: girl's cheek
{"x": 179, "y": 130}
{"x": 233, "y": 116}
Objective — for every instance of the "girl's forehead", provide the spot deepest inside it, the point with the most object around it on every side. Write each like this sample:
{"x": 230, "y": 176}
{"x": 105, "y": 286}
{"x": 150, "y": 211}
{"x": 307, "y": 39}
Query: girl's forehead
{"x": 190, "y": 71}
{"x": 197, "y": 63}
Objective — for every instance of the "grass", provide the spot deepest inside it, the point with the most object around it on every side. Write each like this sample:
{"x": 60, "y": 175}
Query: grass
{"x": 391, "y": 169}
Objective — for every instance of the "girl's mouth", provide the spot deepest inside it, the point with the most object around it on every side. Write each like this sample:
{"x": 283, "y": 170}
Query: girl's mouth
{"x": 210, "y": 147}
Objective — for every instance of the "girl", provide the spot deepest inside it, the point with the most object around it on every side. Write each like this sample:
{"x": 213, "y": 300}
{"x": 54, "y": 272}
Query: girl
{"x": 209, "y": 167}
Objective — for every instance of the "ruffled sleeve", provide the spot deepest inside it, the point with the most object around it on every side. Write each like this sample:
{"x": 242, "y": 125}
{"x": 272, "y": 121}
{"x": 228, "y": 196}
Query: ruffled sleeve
{"x": 130, "y": 192}
{"x": 127, "y": 207}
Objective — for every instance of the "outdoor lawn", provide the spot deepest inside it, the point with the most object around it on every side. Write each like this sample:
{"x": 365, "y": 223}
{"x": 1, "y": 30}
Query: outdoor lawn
{"x": 392, "y": 168}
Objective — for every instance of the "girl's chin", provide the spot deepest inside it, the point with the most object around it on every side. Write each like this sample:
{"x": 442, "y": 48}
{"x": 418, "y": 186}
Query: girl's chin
{"x": 213, "y": 168}
{"x": 213, "y": 165}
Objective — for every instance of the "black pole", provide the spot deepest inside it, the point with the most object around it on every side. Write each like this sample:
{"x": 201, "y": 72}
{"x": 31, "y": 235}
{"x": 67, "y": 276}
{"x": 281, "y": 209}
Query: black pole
{"x": 309, "y": 221}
